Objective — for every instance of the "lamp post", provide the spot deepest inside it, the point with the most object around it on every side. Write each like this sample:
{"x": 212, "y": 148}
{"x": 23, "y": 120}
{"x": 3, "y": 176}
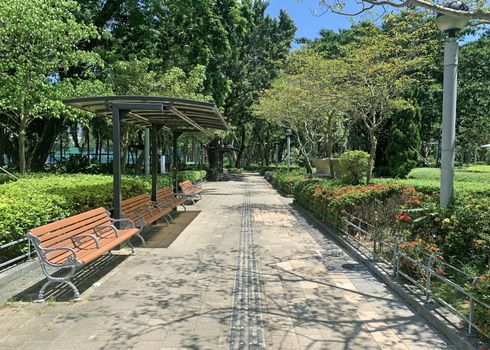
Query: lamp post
{"x": 450, "y": 25}
{"x": 288, "y": 134}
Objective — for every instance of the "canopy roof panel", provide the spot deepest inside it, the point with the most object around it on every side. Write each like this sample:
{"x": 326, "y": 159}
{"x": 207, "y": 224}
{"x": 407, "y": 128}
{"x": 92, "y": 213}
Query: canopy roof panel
{"x": 174, "y": 113}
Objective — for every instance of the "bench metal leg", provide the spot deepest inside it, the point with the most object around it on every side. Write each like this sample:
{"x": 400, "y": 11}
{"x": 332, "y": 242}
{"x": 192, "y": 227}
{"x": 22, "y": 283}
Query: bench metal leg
{"x": 143, "y": 242}
{"x": 140, "y": 225}
{"x": 183, "y": 206}
{"x": 170, "y": 217}
{"x": 63, "y": 279}
{"x": 132, "y": 246}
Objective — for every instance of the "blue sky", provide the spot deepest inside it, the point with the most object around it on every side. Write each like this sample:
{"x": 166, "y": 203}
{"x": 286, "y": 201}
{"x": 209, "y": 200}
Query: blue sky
{"x": 309, "y": 24}
{"x": 302, "y": 12}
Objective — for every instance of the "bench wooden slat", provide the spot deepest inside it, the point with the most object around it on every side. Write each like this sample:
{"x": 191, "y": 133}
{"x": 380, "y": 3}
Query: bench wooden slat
{"x": 67, "y": 221}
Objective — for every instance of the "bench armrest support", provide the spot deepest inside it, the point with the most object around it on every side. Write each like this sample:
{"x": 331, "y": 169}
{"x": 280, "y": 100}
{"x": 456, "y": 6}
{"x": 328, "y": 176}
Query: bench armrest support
{"x": 71, "y": 260}
{"x": 98, "y": 230}
{"x": 77, "y": 240}
{"x": 129, "y": 222}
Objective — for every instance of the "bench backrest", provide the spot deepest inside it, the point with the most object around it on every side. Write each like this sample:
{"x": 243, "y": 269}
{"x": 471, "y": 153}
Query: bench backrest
{"x": 59, "y": 233}
{"x": 164, "y": 192}
{"x": 186, "y": 186}
{"x": 131, "y": 204}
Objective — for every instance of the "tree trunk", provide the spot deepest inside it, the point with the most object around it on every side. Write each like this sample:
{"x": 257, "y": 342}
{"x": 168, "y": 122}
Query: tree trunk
{"x": 22, "y": 144}
{"x": 373, "y": 141}
{"x": 2, "y": 163}
{"x": 74, "y": 134}
{"x": 213, "y": 157}
{"x": 304, "y": 153}
{"x": 329, "y": 156}
{"x": 48, "y": 131}
{"x": 241, "y": 150}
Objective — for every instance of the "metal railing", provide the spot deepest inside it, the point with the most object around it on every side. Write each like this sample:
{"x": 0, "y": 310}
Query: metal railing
{"x": 5, "y": 265}
{"x": 427, "y": 272}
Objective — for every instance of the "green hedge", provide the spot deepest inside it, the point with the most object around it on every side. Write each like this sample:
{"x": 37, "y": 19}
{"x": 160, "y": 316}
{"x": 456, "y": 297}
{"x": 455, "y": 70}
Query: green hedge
{"x": 38, "y": 199}
{"x": 283, "y": 180}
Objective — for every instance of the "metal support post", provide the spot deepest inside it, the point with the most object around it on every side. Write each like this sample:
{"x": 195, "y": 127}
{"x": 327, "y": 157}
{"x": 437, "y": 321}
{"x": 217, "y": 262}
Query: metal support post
{"x": 449, "y": 120}
{"x": 154, "y": 161}
{"x": 175, "y": 137}
{"x": 117, "y": 114}
{"x": 147, "y": 151}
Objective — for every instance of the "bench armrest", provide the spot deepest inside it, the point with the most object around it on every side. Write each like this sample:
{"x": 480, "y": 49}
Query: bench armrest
{"x": 141, "y": 211}
{"x": 98, "y": 230}
{"x": 162, "y": 203}
{"x": 77, "y": 240}
{"x": 130, "y": 223}
{"x": 70, "y": 260}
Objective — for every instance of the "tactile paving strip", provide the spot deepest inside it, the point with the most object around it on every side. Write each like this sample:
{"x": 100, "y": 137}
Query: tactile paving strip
{"x": 246, "y": 325}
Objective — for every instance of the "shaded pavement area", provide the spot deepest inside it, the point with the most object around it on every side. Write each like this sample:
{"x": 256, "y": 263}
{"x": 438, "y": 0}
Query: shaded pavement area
{"x": 241, "y": 270}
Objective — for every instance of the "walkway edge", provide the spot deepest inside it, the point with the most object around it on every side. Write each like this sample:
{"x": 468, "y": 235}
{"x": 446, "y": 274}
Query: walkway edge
{"x": 438, "y": 324}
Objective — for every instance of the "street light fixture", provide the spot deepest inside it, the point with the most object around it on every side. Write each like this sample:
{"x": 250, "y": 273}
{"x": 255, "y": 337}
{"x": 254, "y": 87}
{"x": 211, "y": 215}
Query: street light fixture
{"x": 450, "y": 25}
{"x": 288, "y": 134}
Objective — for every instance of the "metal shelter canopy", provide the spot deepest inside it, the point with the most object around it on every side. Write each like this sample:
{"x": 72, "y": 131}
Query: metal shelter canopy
{"x": 178, "y": 115}
{"x": 174, "y": 113}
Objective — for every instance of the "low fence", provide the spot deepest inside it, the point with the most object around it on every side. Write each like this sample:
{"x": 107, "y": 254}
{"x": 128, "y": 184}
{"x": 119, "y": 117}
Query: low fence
{"x": 17, "y": 259}
{"x": 427, "y": 273}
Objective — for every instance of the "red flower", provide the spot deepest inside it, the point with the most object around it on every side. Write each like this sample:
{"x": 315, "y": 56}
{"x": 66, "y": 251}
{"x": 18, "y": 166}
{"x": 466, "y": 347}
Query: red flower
{"x": 440, "y": 272}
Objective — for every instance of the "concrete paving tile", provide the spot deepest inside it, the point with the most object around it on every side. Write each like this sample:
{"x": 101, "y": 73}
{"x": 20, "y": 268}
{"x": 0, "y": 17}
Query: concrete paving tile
{"x": 36, "y": 345}
{"x": 16, "y": 340}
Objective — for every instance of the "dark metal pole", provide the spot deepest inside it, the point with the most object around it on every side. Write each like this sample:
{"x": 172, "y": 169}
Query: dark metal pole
{"x": 175, "y": 169}
{"x": 116, "y": 161}
{"x": 154, "y": 161}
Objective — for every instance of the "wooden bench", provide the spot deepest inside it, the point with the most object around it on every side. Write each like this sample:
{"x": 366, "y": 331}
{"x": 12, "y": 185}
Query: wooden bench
{"x": 141, "y": 210}
{"x": 75, "y": 241}
{"x": 190, "y": 191}
{"x": 169, "y": 199}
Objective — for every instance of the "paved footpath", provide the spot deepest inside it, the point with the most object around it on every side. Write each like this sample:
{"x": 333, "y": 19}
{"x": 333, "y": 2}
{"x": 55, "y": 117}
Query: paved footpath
{"x": 248, "y": 273}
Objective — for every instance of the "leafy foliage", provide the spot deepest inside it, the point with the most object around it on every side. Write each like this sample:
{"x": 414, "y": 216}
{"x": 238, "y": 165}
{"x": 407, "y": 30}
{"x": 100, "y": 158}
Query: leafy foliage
{"x": 353, "y": 166}
{"x": 38, "y": 41}
{"x": 402, "y": 150}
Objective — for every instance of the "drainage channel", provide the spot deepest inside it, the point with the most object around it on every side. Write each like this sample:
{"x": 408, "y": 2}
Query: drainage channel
{"x": 246, "y": 330}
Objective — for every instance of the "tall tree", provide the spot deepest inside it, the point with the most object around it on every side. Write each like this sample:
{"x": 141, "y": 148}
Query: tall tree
{"x": 37, "y": 38}
{"x": 304, "y": 99}
{"x": 404, "y": 141}
{"x": 258, "y": 48}
{"x": 473, "y": 115}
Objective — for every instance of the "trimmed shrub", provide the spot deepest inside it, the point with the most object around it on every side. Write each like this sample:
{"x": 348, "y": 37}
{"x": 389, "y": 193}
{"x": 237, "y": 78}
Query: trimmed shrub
{"x": 404, "y": 141}
{"x": 284, "y": 181}
{"x": 353, "y": 167}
